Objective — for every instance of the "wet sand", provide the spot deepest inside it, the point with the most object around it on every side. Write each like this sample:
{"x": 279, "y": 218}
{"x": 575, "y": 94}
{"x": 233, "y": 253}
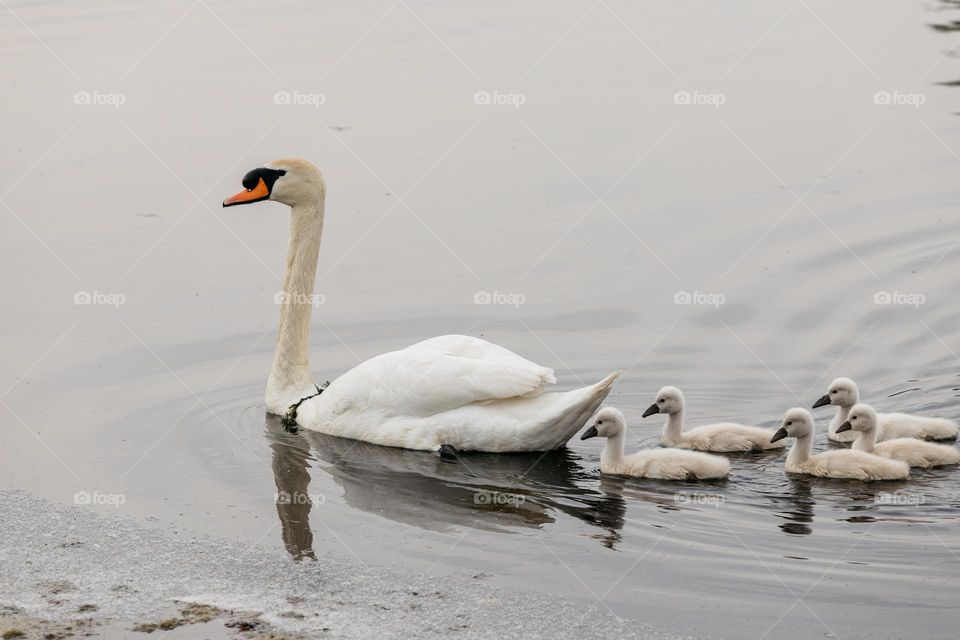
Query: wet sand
{"x": 73, "y": 564}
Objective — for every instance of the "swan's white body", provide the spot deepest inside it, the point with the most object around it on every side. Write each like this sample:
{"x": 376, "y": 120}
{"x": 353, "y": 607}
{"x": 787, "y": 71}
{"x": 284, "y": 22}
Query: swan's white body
{"x": 720, "y": 437}
{"x": 454, "y": 390}
{"x": 450, "y": 390}
{"x": 840, "y": 463}
{"x": 663, "y": 464}
{"x": 844, "y": 393}
{"x": 916, "y": 453}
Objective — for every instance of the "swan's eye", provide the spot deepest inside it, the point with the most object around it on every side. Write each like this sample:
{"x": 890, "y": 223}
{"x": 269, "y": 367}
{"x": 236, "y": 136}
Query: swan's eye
{"x": 599, "y": 421}
{"x": 281, "y": 172}
{"x": 660, "y": 401}
{"x": 834, "y": 391}
{"x": 790, "y": 423}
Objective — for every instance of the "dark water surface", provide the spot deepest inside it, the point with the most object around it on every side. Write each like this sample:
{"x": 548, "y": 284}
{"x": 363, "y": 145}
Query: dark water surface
{"x": 802, "y": 203}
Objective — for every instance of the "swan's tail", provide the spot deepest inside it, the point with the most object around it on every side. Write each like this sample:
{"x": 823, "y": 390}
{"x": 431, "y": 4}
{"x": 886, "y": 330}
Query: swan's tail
{"x": 575, "y": 409}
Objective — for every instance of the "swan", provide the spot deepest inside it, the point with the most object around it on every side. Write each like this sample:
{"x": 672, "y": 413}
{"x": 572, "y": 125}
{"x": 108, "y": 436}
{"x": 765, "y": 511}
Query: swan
{"x": 662, "y": 464}
{"x": 721, "y": 437}
{"x": 844, "y": 393}
{"x": 916, "y": 453}
{"x": 444, "y": 394}
{"x": 839, "y": 463}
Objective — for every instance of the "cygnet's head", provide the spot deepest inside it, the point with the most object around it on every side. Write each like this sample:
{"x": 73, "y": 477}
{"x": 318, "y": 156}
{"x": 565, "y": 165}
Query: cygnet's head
{"x": 843, "y": 392}
{"x": 669, "y": 401}
{"x": 608, "y": 422}
{"x": 291, "y": 181}
{"x": 797, "y": 423}
{"x": 862, "y": 418}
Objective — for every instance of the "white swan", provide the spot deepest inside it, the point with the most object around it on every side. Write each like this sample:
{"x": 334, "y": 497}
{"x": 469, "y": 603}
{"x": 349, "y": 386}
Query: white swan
{"x": 916, "y": 453}
{"x": 721, "y": 437}
{"x": 843, "y": 392}
{"x": 664, "y": 464}
{"x": 839, "y": 463}
{"x": 448, "y": 393}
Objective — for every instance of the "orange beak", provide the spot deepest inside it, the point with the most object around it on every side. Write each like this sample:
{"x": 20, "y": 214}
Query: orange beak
{"x": 258, "y": 193}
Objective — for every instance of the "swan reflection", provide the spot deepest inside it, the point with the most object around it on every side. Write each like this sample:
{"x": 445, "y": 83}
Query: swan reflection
{"x": 799, "y": 515}
{"x": 494, "y": 492}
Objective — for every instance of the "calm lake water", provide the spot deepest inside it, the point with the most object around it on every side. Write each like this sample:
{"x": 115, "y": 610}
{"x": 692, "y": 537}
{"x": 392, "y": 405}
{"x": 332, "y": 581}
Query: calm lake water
{"x": 741, "y": 200}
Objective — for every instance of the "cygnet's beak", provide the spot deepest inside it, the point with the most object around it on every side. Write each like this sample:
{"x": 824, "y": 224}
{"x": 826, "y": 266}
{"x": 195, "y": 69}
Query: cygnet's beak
{"x": 779, "y": 435}
{"x": 652, "y": 409}
{"x": 846, "y": 426}
{"x": 589, "y": 433}
{"x": 822, "y": 402}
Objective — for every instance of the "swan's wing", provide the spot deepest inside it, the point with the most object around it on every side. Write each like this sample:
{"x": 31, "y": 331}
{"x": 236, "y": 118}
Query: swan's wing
{"x": 436, "y": 376}
{"x": 428, "y": 382}
{"x": 479, "y": 349}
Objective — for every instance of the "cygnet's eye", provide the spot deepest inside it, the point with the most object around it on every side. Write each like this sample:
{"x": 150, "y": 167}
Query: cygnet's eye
{"x": 833, "y": 391}
{"x": 599, "y": 421}
{"x": 790, "y": 423}
{"x": 853, "y": 417}
{"x": 660, "y": 401}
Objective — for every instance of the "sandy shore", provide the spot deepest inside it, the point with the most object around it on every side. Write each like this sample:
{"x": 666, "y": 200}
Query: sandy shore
{"x": 78, "y": 572}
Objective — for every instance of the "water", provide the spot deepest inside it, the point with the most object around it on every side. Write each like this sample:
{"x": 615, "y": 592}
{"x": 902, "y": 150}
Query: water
{"x": 599, "y": 200}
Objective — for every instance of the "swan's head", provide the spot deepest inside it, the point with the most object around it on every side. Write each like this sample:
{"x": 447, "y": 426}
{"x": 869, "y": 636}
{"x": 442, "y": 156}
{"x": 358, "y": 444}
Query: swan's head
{"x": 843, "y": 392}
{"x": 797, "y": 423}
{"x": 862, "y": 418}
{"x": 608, "y": 422}
{"x": 291, "y": 181}
{"x": 669, "y": 401}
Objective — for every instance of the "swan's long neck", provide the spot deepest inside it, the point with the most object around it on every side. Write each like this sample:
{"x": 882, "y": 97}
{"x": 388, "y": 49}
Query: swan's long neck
{"x": 801, "y": 450}
{"x": 865, "y": 440}
{"x": 673, "y": 429}
{"x": 612, "y": 451}
{"x": 290, "y": 376}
